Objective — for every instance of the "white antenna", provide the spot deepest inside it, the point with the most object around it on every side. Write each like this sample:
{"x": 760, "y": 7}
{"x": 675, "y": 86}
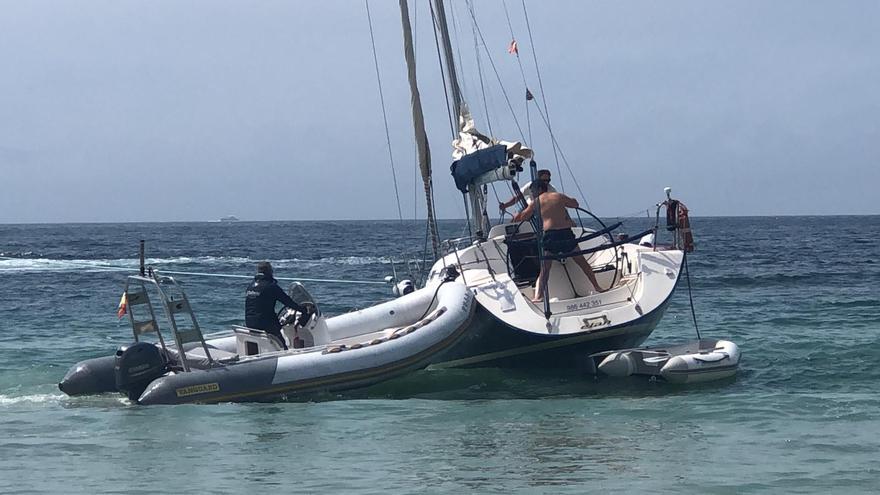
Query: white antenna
{"x": 668, "y": 191}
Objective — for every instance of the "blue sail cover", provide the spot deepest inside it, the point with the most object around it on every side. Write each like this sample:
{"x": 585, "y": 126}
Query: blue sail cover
{"x": 473, "y": 165}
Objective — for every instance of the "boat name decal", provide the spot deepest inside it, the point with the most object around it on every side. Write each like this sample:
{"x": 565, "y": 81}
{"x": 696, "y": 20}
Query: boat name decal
{"x": 466, "y": 303}
{"x": 596, "y": 322}
{"x": 202, "y": 388}
{"x": 137, "y": 369}
{"x": 592, "y": 303}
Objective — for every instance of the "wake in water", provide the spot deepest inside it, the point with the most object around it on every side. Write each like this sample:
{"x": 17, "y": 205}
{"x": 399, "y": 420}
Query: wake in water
{"x": 24, "y": 263}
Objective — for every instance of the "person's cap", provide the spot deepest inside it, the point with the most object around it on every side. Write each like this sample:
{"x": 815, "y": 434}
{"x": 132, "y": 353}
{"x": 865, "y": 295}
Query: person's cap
{"x": 265, "y": 268}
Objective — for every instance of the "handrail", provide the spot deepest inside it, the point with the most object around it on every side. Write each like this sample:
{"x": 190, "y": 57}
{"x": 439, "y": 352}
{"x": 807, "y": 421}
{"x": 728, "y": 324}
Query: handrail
{"x": 157, "y": 280}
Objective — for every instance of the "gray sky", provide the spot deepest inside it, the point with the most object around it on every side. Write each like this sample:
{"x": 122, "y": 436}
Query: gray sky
{"x": 191, "y": 110}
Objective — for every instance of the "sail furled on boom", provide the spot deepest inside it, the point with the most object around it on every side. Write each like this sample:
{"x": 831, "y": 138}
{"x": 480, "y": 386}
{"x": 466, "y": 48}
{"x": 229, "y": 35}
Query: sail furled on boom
{"x": 470, "y": 140}
{"x": 424, "y": 150}
{"x": 466, "y": 139}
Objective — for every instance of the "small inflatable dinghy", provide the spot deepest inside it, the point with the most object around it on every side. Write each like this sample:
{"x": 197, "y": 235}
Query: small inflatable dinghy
{"x": 343, "y": 352}
{"x": 699, "y": 361}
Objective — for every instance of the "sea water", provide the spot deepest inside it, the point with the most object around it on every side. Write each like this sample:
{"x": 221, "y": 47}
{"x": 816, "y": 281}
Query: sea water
{"x": 799, "y": 295}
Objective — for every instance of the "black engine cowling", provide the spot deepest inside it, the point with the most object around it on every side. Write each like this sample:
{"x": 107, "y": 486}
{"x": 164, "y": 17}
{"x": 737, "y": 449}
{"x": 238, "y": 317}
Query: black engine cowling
{"x": 137, "y": 365}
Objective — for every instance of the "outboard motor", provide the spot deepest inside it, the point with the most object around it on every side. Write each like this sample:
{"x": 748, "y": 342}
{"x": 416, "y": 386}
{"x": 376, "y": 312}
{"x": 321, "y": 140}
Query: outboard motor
{"x": 449, "y": 274}
{"x": 137, "y": 365}
{"x": 404, "y": 287}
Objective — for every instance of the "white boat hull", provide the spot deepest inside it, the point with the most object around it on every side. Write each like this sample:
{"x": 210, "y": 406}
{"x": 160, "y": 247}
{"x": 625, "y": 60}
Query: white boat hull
{"x": 511, "y": 331}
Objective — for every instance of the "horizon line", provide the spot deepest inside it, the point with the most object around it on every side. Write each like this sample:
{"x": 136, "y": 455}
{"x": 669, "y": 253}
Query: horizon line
{"x": 116, "y": 222}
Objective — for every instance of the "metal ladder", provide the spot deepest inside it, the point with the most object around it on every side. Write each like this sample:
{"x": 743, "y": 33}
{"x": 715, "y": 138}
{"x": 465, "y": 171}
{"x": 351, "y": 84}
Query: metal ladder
{"x": 174, "y": 302}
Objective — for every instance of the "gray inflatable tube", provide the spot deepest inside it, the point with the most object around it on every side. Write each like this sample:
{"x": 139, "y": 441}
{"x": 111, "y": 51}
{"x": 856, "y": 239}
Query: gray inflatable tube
{"x": 351, "y": 350}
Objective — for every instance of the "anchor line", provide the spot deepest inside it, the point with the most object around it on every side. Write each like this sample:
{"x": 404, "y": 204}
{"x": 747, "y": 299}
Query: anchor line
{"x": 690, "y": 296}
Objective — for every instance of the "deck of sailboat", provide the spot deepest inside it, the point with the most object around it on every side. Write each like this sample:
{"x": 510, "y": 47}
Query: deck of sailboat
{"x": 575, "y": 306}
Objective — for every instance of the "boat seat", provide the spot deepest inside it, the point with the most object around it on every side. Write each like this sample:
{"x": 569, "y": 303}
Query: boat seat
{"x": 251, "y": 342}
{"x": 197, "y": 359}
{"x": 195, "y": 355}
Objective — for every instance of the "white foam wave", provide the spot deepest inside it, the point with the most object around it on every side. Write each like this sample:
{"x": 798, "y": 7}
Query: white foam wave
{"x": 6, "y": 400}
{"x": 333, "y": 260}
{"x": 128, "y": 264}
{"x": 25, "y": 254}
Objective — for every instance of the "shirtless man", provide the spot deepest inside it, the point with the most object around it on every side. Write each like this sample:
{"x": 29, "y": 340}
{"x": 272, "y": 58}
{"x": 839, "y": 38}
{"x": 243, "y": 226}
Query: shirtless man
{"x": 558, "y": 237}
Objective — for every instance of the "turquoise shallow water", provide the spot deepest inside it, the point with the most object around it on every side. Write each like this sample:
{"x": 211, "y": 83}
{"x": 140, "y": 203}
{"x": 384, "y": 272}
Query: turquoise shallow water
{"x": 798, "y": 294}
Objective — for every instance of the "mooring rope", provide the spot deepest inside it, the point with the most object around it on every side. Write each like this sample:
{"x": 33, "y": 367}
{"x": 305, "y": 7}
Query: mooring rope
{"x": 112, "y": 268}
{"x": 290, "y": 279}
{"x": 690, "y": 296}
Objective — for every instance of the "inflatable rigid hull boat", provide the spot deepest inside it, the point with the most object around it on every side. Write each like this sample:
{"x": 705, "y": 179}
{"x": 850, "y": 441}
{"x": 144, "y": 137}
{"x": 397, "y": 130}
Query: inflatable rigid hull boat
{"x": 699, "y": 361}
{"x": 343, "y": 352}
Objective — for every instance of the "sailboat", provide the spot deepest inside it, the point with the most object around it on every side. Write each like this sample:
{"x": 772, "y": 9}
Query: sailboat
{"x": 500, "y": 263}
{"x": 474, "y": 308}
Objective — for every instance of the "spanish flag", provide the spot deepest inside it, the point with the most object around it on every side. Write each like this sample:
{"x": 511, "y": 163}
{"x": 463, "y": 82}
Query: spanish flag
{"x": 123, "y": 306}
{"x": 512, "y": 48}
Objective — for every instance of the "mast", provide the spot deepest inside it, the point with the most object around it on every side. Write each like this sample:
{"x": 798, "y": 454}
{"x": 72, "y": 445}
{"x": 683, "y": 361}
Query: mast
{"x": 452, "y": 77}
{"x": 479, "y": 219}
{"x": 424, "y": 150}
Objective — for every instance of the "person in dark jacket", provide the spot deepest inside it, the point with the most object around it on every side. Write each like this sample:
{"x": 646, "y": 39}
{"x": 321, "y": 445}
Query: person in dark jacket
{"x": 259, "y": 304}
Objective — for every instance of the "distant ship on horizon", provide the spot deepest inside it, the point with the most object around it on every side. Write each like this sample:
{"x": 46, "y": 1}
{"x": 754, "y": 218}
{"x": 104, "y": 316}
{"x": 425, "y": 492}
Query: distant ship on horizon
{"x": 229, "y": 218}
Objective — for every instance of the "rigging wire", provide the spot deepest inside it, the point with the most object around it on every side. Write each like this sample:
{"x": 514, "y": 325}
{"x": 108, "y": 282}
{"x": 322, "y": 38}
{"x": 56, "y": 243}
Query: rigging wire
{"x": 635, "y": 214}
{"x": 452, "y": 125}
{"x": 453, "y": 120}
{"x": 415, "y": 145}
{"x": 495, "y": 192}
{"x": 467, "y": 215}
{"x": 458, "y": 68}
{"x": 522, "y": 72}
{"x": 564, "y": 159}
{"x": 422, "y": 264}
{"x": 544, "y": 98}
{"x": 384, "y": 113}
{"x": 498, "y": 76}
{"x": 470, "y": 5}
{"x": 429, "y": 184}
